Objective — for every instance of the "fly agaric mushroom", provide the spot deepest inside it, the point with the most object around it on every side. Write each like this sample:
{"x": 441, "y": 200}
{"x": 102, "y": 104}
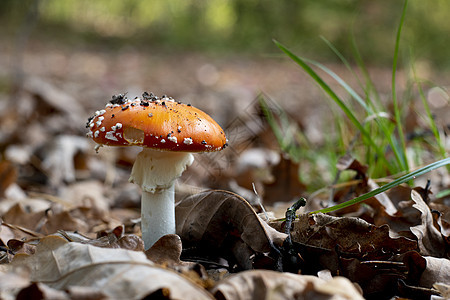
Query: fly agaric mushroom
{"x": 169, "y": 133}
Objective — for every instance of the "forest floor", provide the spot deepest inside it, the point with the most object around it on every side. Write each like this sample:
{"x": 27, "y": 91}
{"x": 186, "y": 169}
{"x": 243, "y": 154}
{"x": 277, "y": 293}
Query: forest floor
{"x": 64, "y": 207}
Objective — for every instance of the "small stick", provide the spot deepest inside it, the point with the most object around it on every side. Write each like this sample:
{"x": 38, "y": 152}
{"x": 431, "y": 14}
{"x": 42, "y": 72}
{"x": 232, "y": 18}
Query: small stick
{"x": 259, "y": 202}
{"x": 290, "y": 217}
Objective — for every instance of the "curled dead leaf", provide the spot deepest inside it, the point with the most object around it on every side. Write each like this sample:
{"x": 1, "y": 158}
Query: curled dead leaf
{"x": 437, "y": 270}
{"x": 223, "y": 220}
{"x": 118, "y": 273}
{"x": 167, "y": 252}
{"x": 265, "y": 284}
{"x": 108, "y": 239}
{"x": 429, "y": 238}
{"x": 353, "y": 236}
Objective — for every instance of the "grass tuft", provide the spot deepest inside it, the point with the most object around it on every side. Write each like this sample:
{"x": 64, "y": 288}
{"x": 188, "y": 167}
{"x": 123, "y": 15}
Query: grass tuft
{"x": 378, "y": 132}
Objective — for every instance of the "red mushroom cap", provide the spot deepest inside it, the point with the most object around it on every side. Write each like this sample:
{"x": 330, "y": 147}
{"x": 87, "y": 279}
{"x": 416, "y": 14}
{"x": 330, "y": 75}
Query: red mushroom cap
{"x": 158, "y": 123}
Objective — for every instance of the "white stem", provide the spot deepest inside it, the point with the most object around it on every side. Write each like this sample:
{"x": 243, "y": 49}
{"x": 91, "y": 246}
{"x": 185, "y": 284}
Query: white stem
{"x": 157, "y": 214}
{"x": 155, "y": 172}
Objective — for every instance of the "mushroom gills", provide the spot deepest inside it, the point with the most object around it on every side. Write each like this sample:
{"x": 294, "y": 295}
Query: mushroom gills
{"x": 133, "y": 135}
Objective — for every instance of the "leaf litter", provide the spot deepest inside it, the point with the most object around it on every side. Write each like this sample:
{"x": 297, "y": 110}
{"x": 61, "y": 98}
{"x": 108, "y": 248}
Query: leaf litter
{"x": 70, "y": 222}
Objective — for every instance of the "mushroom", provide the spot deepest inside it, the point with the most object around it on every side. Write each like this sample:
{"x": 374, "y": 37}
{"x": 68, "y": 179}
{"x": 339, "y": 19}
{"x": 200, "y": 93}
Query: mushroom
{"x": 169, "y": 133}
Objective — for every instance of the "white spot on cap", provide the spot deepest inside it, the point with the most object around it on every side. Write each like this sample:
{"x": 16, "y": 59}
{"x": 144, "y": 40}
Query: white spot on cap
{"x": 117, "y": 126}
{"x": 187, "y": 141}
{"x": 100, "y": 112}
{"x": 110, "y": 136}
{"x": 172, "y": 139}
{"x": 99, "y": 121}
{"x": 163, "y": 141}
{"x": 96, "y": 133}
{"x": 102, "y": 129}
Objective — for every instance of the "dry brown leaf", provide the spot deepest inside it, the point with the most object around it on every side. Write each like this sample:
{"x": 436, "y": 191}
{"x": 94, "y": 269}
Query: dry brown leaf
{"x": 348, "y": 162}
{"x": 353, "y": 236}
{"x": 12, "y": 282}
{"x": 383, "y": 199}
{"x": 63, "y": 220}
{"x": 86, "y": 194}
{"x": 429, "y": 238}
{"x": 118, "y": 273}
{"x": 38, "y": 290}
{"x": 18, "y": 246}
{"x": 437, "y": 270}
{"x": 224, "y": 220}
{"x": 8, "y": 175}
{"x": 286, "y": 185}
{"x": 19, "y": 216}
{"x": 443, "y": 289}
{"x": 379, "y": 279}
{"x": 443, "y": 219}
{"x": 114, "y": 238}
{"x": 56, "y": 99}
{"x": 10, "y": 231}
{"x": 265, "y": 284}
{"x": 59, "y": 161}
{"x": 404, "y": 219}
{"x": 166, "y": 250}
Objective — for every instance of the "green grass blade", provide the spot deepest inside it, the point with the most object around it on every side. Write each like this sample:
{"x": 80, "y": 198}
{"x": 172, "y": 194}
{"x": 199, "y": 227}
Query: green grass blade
{"x": 370, "y": 86}
{"x": 401, "y": 157}
{"x": 338, "y": 101}
{"x": 387, "y": 186}
{"x": 339, "y": 80}
{"x": 344, "y": 60}
{"x": 387, "y": 132}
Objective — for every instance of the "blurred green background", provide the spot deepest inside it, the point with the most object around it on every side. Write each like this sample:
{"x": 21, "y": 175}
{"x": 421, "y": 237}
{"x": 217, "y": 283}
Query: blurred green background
{"x": 240, "y": 26}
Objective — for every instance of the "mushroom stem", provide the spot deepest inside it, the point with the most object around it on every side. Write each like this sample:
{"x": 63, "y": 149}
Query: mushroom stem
{"x": 157, "y": 214}
{"x": 155, "y": 172}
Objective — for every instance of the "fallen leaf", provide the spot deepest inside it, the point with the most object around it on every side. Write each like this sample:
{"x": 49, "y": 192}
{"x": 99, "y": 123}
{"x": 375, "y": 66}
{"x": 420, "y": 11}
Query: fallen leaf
{"x": 10, "y": 231}
{"x": 437, "y": 270}
{"x": 443, "y": 289}
{"x": 224, "y": 220}
{"x": 354, "y": 236}
{"x": 379, "y": 279}
{"x": 109, "y": 239}
{"x": 265, "y": 284}
{"x": 38, "y": 290}
{"x": 443, "y": 219}
{"x": 86, "y": 194}
{"x": 405, "y": 217}
{"x": 64, "y": 220}
{"x": 12, "y": 282}
{"x": 59, "y": 161}
{"x": 8, "y": 175}
{"x": 413, "y": 292}
{"x": 429, "y": 238}
{"x": 118, "y": 273}
{"x": 167, "y": 252}
{"x": 19, "y": 216}
{"x": 286, "y": 185}
{"x": 56, "y": 99}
